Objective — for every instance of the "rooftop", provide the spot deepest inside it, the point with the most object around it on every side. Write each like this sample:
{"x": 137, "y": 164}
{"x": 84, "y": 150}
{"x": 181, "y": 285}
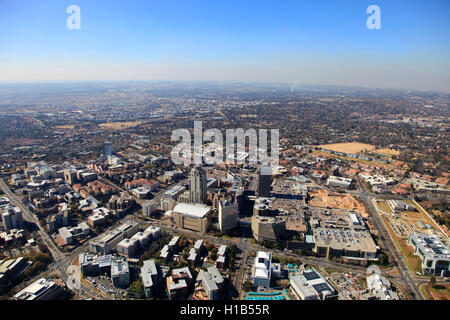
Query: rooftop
{"x": 194, "y": 210}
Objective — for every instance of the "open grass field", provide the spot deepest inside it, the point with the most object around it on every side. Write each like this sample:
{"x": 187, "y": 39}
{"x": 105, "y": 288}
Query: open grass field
{"x": 348, "y": 147}
{"x": 373, "y": 163}
{"x": 120, "y": 125}
{"x": 384, "y": 206}
{"x": 440, "y": 292}
{"x": 387, "y": 152}
{"x": 66, "y": 127}
{"x": 412, "y": 261}
{"x": 429, "y": 220}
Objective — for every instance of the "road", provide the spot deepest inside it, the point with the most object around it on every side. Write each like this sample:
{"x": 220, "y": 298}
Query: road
{"x": 245, "y": 248}
{"x": 388, "y": 244}
{"x": 61, "y": 263}
{"x": 156, "y": 197}
{"x": 242, "y": 243}
{"x": 58, "y": 256}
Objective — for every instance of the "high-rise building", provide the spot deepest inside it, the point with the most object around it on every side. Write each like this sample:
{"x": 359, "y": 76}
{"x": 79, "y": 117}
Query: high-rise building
{"x": 149, "y": 274}
{"x": 264, "y": 182}
{"x": 228, "y": 215}
{"x": 198, "y": 185}
{"x": 107, "y": 149}
{"x": 261, "y": 272}
{"x": 12, "y": 218}
{"x": 120, "y": 273}
{"x": 148, "y": 208}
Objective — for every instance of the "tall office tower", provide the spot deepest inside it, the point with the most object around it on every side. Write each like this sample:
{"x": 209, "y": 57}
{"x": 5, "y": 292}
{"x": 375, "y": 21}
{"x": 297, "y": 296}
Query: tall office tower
{"x": 107, "y": 149}
{"x": 264, "y": 182}
{"x": 198, "y": 185}
{"x": 228, "y": 215}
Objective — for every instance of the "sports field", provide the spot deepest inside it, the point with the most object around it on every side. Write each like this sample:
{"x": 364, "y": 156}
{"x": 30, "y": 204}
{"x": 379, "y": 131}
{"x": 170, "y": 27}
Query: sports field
{"x": 120, "y": 125}
{"x": 387, "y": 152}
{"x": 348, "y": 147}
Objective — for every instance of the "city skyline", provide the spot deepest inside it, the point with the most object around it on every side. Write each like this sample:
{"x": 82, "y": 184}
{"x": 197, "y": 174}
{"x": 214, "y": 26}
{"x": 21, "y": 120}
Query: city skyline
{"x": 326, "y": 43}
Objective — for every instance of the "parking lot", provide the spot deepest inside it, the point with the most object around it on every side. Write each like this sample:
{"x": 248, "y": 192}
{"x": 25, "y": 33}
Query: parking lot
{"x": 104, "y": 284}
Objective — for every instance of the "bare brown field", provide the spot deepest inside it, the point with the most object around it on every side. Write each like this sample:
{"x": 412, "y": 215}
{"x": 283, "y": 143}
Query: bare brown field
{"x": 120, "y": 125}
{"x": 321, "y": 198}
{"x": 387, "y": 152}
{"x": 348, "y": 147}
{"x": 66, "y": 127}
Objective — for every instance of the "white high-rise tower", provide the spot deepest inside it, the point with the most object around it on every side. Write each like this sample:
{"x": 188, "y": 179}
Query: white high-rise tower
{"x": 198, "y": 185}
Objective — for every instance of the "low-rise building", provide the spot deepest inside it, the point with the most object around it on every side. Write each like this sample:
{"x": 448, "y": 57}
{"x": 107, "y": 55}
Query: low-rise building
{"x": 165, "y": 253}
{"x": 127, "y": 247}
{"x": 211, "y": 281}
{"x": 98, "y": 217}
{"x": 342, "y": 182}
{"x": 400, "y": 205}
{"x": 153, "y": 232}
{"x": 267, "y": 228}
{"x": 41, "y": 289}
{"x": 193, "y": 257}
{"x": 434, "y": 254}
{"x": 381, "y": 287}
{"x": 178, "y": 283}
{"x": 310, "y": 285}
{"x": 142, "y": 239}
{"x": 352, "y": 244}
{"x": 221, "y": 259}
{"x": 105, "y": 243}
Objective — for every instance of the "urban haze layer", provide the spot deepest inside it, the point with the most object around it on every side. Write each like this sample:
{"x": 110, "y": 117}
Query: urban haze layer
{"x": 93, "y": 207}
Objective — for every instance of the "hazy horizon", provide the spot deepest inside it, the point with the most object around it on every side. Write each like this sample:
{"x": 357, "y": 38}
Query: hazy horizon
{"x": 321, "y": 43}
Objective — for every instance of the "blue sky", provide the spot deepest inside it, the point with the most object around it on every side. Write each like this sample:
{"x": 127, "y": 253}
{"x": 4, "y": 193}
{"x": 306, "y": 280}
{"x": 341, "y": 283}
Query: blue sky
{"x": 318, "y": 42}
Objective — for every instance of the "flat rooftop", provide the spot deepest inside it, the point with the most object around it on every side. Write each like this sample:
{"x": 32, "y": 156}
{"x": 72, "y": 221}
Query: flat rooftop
{"x": 193, "y": 210}
{"x": 344, "y": 239}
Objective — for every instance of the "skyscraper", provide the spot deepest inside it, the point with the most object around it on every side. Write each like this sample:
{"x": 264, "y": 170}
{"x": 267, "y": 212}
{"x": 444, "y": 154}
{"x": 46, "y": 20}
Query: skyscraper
{"x": 198, "y": 185}
{"x": 107, "y": 149}
{"x": 228, "y": 215}
{"x": 264, "y": 181}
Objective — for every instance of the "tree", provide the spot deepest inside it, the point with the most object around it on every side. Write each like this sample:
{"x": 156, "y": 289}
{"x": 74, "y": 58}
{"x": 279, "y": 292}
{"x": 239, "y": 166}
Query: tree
{"x": 213, "y": 254}
{"x": 137, "y": 287}
{"x": 432, "y": 280}
{"x": 247, "y": 286}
